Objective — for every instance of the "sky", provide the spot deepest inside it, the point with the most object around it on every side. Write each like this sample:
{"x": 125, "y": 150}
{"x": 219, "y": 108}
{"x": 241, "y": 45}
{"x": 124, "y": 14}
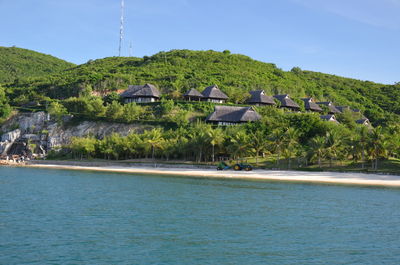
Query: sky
{"x": 352, "y": 38}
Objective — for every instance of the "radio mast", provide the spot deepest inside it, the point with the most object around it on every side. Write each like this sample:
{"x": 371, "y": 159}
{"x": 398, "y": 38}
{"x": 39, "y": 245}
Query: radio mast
{"x": 121, "y": 29}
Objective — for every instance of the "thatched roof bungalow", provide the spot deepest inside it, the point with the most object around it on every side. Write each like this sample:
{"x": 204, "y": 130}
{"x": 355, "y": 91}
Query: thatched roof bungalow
{"x": 343, "y": 108}
{"x": 310, "y": 105}
{"x": 145, "y": 93}
{"x": 364, "y": 121}
{"x": 347, "y": 108}
{"x": 227, "y": 115}
{"x": 214, "y": 94}
{"x": 193, "y": 95}
{"x": 259, "y": 98}
{"x": 331, "y": 107}
{"x": 330, "y": 118}
{"x": 287, "y": 102}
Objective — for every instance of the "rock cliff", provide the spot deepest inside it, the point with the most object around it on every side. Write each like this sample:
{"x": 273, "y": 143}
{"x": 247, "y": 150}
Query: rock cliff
{"x": 37, "y": 133}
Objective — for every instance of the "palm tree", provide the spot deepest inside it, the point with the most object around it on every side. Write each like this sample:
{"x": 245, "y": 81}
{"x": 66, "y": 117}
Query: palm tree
{"x": 277, "y": 139}
{"x": 317, "y": 148}
{"x": 289, "y": 146}
{"x": 362, "y": 142}
{"x": 199, "y": 138}
{"x": 240, "y": 144}
{"x": 134, "y": 144}
{"x": 217, "y": 137}
{"x": 333, "y": 145}
{"x": 377, "y": 146}
{"x": 155, "y": 139}
{"x": 258, "y": 143}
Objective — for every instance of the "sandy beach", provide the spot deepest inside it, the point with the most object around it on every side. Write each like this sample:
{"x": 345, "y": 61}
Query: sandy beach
{"x": 268, "y": 175}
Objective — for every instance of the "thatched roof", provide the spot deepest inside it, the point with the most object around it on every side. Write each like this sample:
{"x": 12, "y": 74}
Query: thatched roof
{"x": 233, "y": 114}
{"x": 259, "y": 97}
{"x": 193, "y": 93}
{"x": 329, "y": 117}
{"x": 147, "y": 90}
{"x": 363, "y": 121}
{"x": 286, "y": 101}
{"x": 343, "y": 108}
{"x": 214, "y": 92}
{"x": 347, "y": 108}
{"x": 310, "y": 104}
{"x": 331, "y": 107}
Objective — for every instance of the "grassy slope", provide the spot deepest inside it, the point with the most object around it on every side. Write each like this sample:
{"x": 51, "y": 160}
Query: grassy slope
{"x": 178, "y": 70}
{"x": 19, "y": 63}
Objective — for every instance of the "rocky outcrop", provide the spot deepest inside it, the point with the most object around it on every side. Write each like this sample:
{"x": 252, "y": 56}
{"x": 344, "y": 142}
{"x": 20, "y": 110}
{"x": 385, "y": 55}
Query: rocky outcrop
{"x": 43, "y": 133}
{"x": 11, "y": 136}
{"x": 58, "y": 135}
{"x": 27, "y": 122}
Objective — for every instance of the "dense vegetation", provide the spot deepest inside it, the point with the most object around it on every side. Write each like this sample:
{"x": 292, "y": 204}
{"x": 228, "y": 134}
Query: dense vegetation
{"x": 177, "y": 71}
{"x": 16, "y": 63}
{"x": 290, "y": 140}
{"x": 90, "y": 92}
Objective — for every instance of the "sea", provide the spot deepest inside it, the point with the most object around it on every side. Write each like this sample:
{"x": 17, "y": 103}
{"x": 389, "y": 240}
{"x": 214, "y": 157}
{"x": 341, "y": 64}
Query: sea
{"x": 50, "y": 216}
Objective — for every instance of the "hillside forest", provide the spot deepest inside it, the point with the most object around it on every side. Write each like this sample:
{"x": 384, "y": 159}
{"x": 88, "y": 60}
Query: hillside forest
{"x": 280, "y": 139}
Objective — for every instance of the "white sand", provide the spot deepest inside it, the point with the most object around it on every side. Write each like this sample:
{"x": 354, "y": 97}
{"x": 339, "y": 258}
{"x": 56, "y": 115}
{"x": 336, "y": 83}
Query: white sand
{"x": 270, "y": 175}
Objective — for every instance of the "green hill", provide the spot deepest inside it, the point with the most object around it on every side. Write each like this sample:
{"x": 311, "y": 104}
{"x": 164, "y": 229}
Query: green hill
{"x": 176, "y": 71}
{"x": 18, "y": 63}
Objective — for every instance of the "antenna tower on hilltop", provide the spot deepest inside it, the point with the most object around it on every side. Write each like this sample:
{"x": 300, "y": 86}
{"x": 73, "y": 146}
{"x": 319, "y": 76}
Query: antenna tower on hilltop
{"x": 121, "y": 29}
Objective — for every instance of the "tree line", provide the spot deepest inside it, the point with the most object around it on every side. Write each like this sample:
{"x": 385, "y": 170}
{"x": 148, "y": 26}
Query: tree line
{"x": 304, "y": 141}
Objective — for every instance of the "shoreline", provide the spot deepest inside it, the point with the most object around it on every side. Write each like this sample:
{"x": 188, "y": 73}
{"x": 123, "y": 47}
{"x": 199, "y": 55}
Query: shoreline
{"x": 332, "y": 178}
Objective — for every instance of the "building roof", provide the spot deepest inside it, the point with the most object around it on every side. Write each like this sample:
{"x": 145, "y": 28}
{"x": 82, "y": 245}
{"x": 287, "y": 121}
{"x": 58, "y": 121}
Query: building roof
{"x": 343, "y": 108}
{"x": 331, "y": 107}
{"x": 329, "y": 117}
{"x": 310, "y": 104}
{"x": 214, "y": 92}
{"x": 286, "y": 101}
{"x": 233, "y": 114}
{"x": 193, "y": 93}
{"x": 363, "y": 121}
{"x": 147, "y": 90}
{"x": 259, "y": 97}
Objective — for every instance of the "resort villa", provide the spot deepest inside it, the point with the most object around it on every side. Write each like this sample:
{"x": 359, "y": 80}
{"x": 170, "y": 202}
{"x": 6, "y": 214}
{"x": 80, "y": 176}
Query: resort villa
{"x": 329, "y": 117}
{"x": 230, "y": 115}
{"x": 310, "y": 105}
{"x": 287, "y": 102}
{"x": 259, "y": 98}
{"x": 364, "y": 121}
{"x": 331, "y": 107}
{"x": 193, "y": 95}
{"x": 145, "y": 93}
{"x": 227, "y": 115}
{"x": 214, "y": 94}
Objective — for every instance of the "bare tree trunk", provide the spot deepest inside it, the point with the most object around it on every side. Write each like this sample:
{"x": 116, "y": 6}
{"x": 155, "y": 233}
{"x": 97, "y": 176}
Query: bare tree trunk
{"x": 213, "y": 153}
{"x": 277, "y": 160}
{"x": 363, "y": 158}
{"x": 257, "y": 158}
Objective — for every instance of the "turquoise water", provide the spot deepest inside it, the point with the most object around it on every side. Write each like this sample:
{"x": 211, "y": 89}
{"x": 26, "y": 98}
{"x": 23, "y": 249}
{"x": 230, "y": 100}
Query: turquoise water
{"x": 73, "y": 217}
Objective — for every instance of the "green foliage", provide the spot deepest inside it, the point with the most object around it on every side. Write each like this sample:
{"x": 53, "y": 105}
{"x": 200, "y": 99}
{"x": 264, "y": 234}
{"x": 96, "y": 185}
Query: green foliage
{"x": 5, "y": 108}
{"x": 18, "y": 63}
{"x": 177, "y": 71}
{"x": 57, "y": 110}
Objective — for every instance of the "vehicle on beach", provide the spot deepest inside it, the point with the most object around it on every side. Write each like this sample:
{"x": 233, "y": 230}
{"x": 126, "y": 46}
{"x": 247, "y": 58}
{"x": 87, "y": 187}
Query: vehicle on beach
{"x": 223, "y": 166}
{"x": 239, "y": 166}
{"x": 243, "y": 166}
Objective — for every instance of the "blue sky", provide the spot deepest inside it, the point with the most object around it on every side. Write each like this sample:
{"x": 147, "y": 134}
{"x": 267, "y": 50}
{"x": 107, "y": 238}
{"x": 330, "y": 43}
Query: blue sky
{"x": 352, "y": 38}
